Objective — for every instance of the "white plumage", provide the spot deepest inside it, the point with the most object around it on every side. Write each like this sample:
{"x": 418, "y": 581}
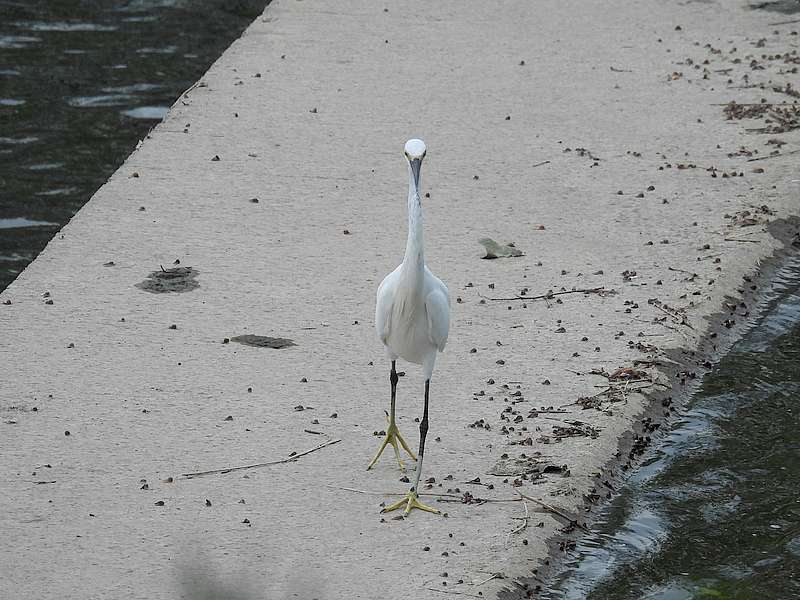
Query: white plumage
{"x": 412, "y": 319}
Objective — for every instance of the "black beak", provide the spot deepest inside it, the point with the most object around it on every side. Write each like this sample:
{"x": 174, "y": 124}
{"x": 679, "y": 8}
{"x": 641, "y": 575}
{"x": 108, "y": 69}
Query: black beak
{"x": 416, "y": 165}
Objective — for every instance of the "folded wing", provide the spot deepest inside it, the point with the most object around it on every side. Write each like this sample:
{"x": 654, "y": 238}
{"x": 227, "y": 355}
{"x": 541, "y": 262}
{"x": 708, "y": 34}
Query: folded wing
{"x": 437, "y": 305}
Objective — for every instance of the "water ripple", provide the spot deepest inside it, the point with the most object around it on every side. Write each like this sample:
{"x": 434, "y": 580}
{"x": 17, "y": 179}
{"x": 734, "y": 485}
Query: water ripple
{"x": 17, "y": 41}
{"x": 147, "y": 112}
{"x": 713, "y": 511}
{"x": 102, "y": 100}
{"x": 16, "y": 141}
{"x": 63, "y": 26}
{"x": 18, "y": 222}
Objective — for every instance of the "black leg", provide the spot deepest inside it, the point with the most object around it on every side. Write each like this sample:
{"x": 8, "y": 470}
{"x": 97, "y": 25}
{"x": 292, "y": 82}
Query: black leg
{"x": 423, "y": 432}
{"x": 393, "y": 379}
{"x": 411, "y": 501}
{"x": 393, "y": 436}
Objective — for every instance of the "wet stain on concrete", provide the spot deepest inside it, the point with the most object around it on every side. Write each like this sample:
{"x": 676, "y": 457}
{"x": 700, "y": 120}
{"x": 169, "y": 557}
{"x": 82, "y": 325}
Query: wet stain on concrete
{"x": 177, "y": 279}
{"x": 262, "y": 341}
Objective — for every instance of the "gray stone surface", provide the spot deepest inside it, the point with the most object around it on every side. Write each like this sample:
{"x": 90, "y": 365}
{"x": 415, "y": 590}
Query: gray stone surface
{"x": 308, "y": 112}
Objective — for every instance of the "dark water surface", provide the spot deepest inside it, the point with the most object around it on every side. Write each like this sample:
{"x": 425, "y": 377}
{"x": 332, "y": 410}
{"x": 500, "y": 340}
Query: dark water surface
{"x": 714, "y": 510}
{"x": 81, "y": 81}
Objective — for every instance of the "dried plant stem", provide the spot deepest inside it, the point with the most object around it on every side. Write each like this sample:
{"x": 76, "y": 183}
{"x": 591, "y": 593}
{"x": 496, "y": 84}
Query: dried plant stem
{"x": 292, "y": 458}
{"x": 555, "y": 511}
{"x": 549, "y": 295}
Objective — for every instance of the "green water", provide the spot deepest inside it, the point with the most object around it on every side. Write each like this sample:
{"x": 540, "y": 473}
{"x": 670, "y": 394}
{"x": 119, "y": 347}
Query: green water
{"x": 714, "y": 510}
{"x": 80, "y": 83}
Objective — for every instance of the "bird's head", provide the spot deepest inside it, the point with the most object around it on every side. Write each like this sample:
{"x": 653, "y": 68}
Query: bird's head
{"x": 415, "y": 151}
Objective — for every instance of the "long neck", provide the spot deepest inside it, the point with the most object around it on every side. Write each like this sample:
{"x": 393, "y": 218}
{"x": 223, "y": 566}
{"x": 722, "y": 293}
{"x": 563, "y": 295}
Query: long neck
{"x": 414, "y": 259}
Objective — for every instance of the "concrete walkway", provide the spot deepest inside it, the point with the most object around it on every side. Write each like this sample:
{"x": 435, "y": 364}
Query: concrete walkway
{"x": 570, "y": 115}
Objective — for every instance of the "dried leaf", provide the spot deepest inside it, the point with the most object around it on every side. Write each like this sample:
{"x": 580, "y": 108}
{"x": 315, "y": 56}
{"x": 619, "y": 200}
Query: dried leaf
{"x": 495, "y": 250}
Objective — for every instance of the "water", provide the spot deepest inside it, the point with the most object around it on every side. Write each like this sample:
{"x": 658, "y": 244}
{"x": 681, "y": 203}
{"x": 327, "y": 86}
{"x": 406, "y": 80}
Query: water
{"x": 80, "y": 83}
{"x": 714, "y": 511}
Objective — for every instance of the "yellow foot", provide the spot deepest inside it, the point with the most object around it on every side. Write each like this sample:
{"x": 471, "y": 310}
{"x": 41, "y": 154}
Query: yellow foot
{"x": 393, "y": 437}
{"x": 411, "y": 501}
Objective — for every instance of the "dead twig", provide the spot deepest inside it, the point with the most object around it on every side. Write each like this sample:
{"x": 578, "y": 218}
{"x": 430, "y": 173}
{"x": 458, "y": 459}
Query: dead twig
{"x": 454, "y": 592}
{"x": 766, "y": 104}
{"x": 773, "y": 156}
{"x": 626, "y": 382}
{"x": 548, "y": 295}
{"x": 292, "y": 458}
{"x": 522, "y": 526}
{"x": 471, "y": 499}
{"x": 354, "y": 490}
{"x": 679, "y": 320}
{"x": 555, "y": 511}
{"x": 494, "y": 576}
{"x": 185, "y": 94}
{"x": 740, "y": 240}
{"x": 460, "y": 498}
{"x": 539, "y": 164}
{"x": 784, "y": 22}
{"x": 670, "y": 327}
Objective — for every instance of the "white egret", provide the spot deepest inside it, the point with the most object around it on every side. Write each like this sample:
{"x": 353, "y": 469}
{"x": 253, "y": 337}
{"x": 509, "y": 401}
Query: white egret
{"x": 412, "y": 318}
